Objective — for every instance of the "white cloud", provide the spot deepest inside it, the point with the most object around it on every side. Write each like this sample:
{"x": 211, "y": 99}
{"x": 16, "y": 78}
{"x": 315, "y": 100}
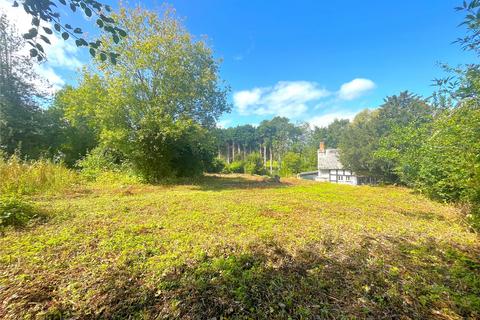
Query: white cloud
{"x": 286, "y": 98}
{"x": 55, "y": 82}
{"x": 355, "y": 88}
{"x": 224, "y": 123}
{"x": 326, "y": 119}
{"x": 60, "y": 54}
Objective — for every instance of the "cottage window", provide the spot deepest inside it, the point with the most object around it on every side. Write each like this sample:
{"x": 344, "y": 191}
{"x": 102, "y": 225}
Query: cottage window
{"x": 347, "y": 178}
{"x": 340, "y": 178}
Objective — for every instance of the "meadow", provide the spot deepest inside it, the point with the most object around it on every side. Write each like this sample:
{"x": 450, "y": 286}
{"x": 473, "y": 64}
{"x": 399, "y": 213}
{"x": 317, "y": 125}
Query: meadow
{"x": 238, "y": 247}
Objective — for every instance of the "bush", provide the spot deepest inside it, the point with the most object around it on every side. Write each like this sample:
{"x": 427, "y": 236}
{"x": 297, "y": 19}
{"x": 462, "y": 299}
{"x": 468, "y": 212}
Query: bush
{"x": 291, "y": 164}
{"x": 181, "y": 149}
{"x": 235, "y": 167}
{"x": 14, "y": 211}
{"x": 216, "y": 166}
{"x": 254, "y": 164}
{"x": 21, "y": 177}
{"x": 101, "y": 160}
{"x": 449, "y": 165}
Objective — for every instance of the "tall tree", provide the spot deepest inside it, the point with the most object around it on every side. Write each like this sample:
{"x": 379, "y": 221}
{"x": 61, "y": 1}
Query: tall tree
{"x": 164, "y": 96}
{"x": 20, "y": 116}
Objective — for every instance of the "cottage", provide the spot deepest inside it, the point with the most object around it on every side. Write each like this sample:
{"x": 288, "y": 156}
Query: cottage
{"x": 330, "y": 169}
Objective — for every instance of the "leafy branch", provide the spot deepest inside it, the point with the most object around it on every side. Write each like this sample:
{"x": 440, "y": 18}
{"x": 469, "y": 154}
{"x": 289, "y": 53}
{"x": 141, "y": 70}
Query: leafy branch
{"x": 44, "y": 10}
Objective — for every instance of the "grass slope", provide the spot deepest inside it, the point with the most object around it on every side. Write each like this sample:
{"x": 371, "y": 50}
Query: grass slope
{"x": 237, "y": 247}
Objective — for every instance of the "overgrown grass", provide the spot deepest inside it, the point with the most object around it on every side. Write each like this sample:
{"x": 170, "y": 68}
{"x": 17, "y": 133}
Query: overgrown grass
{"x": 241, "y": 247}
{"x": 40, "y": 176}
{"x": 15, "y": 211}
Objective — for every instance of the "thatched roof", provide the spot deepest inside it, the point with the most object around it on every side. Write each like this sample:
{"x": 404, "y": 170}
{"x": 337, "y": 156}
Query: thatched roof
{"x": 329, "y": 160}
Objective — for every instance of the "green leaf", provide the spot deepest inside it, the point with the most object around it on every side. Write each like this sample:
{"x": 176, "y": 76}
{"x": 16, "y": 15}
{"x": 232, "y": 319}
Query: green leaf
{"x": 32, "y": 33}
{"x": 57, "y": 26}
{"x": 62, "y": 2}
{"x": 81, "y": 42}
{"x": 92, "y": 52}
{"x": 15, "y": 3}
{"x": 47, "y": 30}
{"x": 35, "y": 21}
{"x": 65, "y": 35}
{"x": 116, "y": 39}
{"x": 73, "y": 7}
{"x": 121, "y": 32}
{"x": 100, "y": 23}
{"x": 45, "y": 39}
{"x": 33, "y": 52}
{"x": 103, "y": 56}
{"x": 88, "y": 12}
{"x": 77, "y": 30}
{"x": 39, "y": 47}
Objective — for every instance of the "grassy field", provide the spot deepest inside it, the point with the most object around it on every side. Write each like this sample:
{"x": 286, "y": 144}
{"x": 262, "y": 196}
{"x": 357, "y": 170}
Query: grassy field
{"x": 238, "y": 247}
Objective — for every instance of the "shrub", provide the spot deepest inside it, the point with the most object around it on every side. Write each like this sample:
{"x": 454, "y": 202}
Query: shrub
{"x": 21, "y": 177}
{"x": 14, "y": 211}
{"x": 236, "y": 167}
{"x": 291, "y": 164}
{"x": 254, "y": 164}
{"x": 449, "y": 165}
{"x": 99, "y": 161}
{"x": 216, "y": 166}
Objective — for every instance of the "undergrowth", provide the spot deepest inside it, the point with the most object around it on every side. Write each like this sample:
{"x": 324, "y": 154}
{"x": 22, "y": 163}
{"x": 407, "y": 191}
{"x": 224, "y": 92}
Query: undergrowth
{"x": 34, "y": 177}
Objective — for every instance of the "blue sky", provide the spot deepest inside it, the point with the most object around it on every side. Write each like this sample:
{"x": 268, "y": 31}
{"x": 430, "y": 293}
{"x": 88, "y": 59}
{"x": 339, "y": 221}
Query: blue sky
{"x": 315, "y": 60}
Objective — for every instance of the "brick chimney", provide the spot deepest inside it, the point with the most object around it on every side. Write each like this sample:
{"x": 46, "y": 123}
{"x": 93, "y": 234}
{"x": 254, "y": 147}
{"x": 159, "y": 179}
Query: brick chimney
{"x": 321, "y": 148}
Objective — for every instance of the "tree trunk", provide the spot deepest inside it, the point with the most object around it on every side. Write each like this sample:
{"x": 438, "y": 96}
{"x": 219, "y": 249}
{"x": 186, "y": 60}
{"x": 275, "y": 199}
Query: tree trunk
{"x": 228, "y": 153}
{"x": 233, "y": 150}
{"x": 265, "y": 156}
{"x": 271, "y": 161}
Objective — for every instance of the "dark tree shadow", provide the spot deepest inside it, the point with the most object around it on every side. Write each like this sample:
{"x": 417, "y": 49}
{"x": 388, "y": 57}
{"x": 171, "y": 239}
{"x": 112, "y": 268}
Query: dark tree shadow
{"x": 227, "y": 182}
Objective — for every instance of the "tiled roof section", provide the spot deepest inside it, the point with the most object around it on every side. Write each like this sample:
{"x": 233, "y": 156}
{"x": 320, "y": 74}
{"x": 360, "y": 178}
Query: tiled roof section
{"x": 329, "y": 160}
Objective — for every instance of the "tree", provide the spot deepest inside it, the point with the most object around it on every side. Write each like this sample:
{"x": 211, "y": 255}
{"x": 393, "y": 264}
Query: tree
{"x": 359, "y": 143}
{"x": 332, "y": 134}
{"x": 292, "y": 164}
{"x": 162, "y": 98}
{"x": 75, "y": 116}
{"x": 48, "y": 12}
{"x": 450, "y": 163}
{"x": 20, "y": 116}
{"x": 253, "y": 164}
{"x": 374, "y": 144}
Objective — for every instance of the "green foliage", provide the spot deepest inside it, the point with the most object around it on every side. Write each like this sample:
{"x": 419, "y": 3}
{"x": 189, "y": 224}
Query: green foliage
{"x": 47, "y": 11}
{"x": 241, "y": 248}
{"x": 291, "y": 164}
{"x": 254, "y": 164}
{"x": 216, "y": 166}
{"x": 101, "y": 160}
{"x": 237, "y": 166}
{"x": 373, "y": 144}
{"x": 330, "y": 135}
{"x": 21, "y": 120}
{"x": 450, "y": 163}
{"x": 14, "y": 211}
{"x": 33, "y": 177}
{"x": 136, "y": 107}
